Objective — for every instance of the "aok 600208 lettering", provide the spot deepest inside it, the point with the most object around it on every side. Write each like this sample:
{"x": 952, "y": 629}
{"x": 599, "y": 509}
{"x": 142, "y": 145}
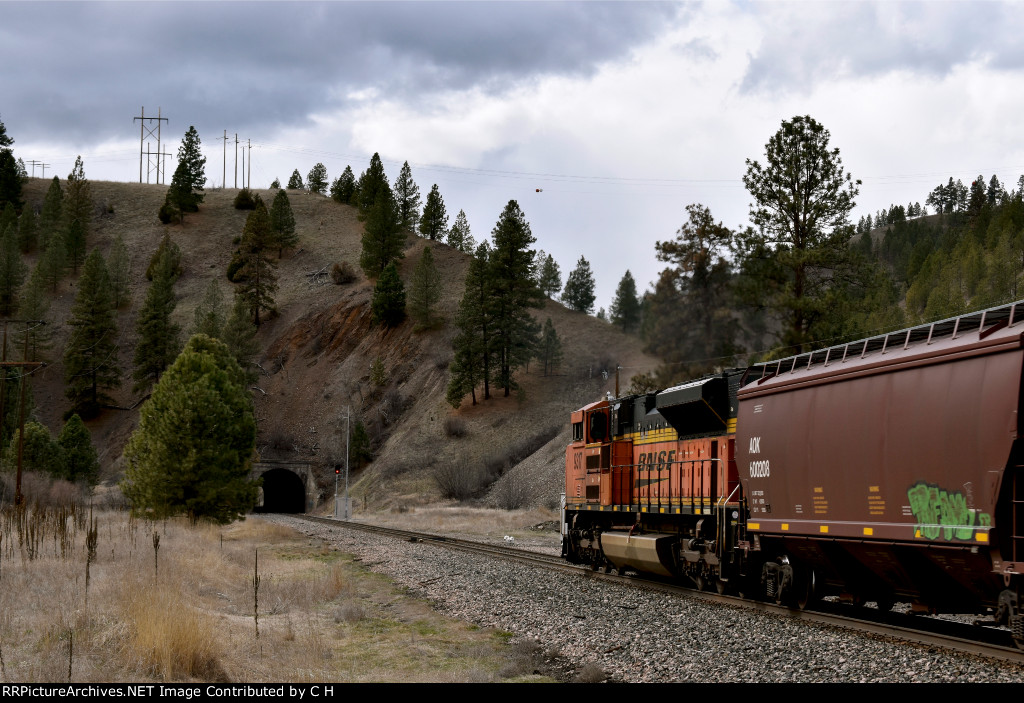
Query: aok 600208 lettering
{"x": 887, "y": 469}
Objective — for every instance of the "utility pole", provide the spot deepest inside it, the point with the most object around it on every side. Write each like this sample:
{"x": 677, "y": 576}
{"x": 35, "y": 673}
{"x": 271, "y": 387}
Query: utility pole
{"x": 236, "y": 160}
{"x": 249, "y": 179}
{"x": 33, "y": 163}
{"x": 19, "y": 499}
{"x": 44, "y": 169}
{"x": 147, "y": 130}
{"x": 243, "y": 168}
{"x": 224, "y": 179}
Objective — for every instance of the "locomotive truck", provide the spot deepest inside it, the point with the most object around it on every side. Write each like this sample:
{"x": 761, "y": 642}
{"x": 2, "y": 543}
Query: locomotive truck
{"x": 886, "y": 469}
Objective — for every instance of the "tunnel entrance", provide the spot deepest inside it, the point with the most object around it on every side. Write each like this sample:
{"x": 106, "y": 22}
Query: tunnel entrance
{"x": 283, "y": 492}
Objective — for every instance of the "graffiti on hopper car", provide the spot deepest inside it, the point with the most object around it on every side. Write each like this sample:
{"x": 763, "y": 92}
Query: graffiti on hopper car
{"x": 942, "y": 513}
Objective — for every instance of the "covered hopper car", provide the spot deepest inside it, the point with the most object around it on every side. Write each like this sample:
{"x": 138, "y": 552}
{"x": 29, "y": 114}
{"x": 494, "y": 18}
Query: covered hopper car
{"x": 887, "y": 469}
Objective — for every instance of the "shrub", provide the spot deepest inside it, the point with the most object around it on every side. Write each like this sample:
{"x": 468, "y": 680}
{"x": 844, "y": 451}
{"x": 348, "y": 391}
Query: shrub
{"x": 166, "y": 214}
{"x": 459, "y": 481}
{"x": 455, "y": 427}
{"x": 342, "y": 273}
{"x": 244, "y": 200}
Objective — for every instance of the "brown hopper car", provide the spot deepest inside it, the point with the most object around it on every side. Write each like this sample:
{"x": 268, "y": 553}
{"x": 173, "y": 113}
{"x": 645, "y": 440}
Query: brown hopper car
{"x": 884, "y": 469}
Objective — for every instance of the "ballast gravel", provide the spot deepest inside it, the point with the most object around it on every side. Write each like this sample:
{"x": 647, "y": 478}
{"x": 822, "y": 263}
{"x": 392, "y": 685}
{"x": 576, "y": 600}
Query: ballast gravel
{"x": 634, "y": 635}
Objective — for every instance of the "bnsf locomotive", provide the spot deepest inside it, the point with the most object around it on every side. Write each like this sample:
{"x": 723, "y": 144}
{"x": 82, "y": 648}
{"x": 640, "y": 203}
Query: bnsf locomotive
{"x": 887, "y": 469}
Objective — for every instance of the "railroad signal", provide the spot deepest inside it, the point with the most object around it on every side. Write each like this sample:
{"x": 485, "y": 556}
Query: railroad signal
{"x": 337, "y": 468}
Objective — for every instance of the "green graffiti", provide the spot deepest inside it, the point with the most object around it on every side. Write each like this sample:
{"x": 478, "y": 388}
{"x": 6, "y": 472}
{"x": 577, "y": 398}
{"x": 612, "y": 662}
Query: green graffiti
{"x": 945, "y": 514}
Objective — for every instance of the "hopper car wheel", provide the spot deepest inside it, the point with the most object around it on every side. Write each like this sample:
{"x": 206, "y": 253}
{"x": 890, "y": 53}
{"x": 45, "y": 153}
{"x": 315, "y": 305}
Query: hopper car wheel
{"x": 720, "y": 586}
{"x": 701, "y": 582}
{"x": 807, "y": 589}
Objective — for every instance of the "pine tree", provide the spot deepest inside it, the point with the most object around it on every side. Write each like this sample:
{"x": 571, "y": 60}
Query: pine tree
{"x": 28, "y": 231}
{"x": 383, "y": 237}
{"x": 275, "y": 184}
{"x": 372, "y": 182}
{"x": 80, "y": 460}
{"x": 459, "y": 236}
{"x": 193, "y": 449}
{"x": 35, "y": 305}
{"x": 473, "y": 346}
{"x": 51, "y": 263}
{"x": 550, "y": 278}
{"x": 424, "y": 290}
{"x": 295, "y": 182}
{"x": 51, "y": 217}
{"x": 158, "y": 336}
{"x": 282, "y": 221}
{"x": 316, "y": 179}
{"x": 8, "y": 217}
{"x": 120, "y": 265}
{"x": 388, "y": 305}
{"x": 12, "y": 272}
{"x": 515, "y": 332}
{"x": 579, "y": 288}
{"x": 257, "y": 270}
{"x": 208, "y": 318}
{"x": 10, "y": 174}
{"x": 550, "y": 349}
{"x": 168, "y": 246}
{"x": 90, "y": 358}
{"x": 40, "y": 452}
{"x": 180, "y": 198}
{"x": 190, "y": 154}
{"x": 344, "y": 187}
{"x": 78, "y": 207}
{"x": 407, "y": 197}
{"x": 239, "y": 334}
{"x": 434, "y": 222}
{"x": 625, "y": 310}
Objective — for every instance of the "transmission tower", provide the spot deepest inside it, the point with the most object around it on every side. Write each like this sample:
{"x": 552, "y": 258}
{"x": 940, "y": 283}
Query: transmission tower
{"x": 146, "y": 129}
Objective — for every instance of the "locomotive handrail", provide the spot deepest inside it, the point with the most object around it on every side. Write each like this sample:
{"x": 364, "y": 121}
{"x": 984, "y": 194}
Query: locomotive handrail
{"x": 722, "y": 528}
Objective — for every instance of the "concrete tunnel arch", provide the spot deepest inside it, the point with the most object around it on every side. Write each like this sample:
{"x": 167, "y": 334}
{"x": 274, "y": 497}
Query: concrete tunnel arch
{"x": 286, "y": 487}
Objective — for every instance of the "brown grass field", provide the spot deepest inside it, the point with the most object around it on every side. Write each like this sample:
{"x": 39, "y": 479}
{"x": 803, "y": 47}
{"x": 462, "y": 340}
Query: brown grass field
{"x": 186, "y": 611}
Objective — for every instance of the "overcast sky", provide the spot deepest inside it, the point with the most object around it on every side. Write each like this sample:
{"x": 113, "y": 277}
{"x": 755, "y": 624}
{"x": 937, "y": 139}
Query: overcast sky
{"x": 622, "y": 113}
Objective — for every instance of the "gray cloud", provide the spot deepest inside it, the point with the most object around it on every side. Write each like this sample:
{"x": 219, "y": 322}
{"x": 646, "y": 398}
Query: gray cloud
{"x": 807, "y": 43}
{"x": 84, "y": 69}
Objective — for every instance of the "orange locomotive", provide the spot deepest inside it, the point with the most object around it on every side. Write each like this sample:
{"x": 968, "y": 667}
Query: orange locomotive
{"x": 651, "y": 483}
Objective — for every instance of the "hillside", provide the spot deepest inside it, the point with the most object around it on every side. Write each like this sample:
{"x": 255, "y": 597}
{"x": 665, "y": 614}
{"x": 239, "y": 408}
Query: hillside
{"x": 317, "y": 353}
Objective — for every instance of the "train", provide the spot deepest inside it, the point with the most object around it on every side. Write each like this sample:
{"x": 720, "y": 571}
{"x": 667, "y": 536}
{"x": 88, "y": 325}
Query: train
{"x": 888, "y": 469}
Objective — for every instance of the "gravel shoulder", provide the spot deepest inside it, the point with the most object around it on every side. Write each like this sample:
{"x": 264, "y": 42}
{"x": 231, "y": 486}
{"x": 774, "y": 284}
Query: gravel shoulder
{"x": 633, "y": 635}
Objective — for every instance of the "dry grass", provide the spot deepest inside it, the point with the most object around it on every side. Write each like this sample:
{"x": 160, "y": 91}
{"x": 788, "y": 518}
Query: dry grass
{"x": 322, "y": 617}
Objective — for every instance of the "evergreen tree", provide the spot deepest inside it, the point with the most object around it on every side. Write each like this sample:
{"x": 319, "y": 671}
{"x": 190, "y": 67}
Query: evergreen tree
{"x": 90, "y": 358}
{"x": 158, "y": 343}
{"x": 10, "y": 174}
{"x": 579, "y": 288}
{"x": 74, "y": 245}
{"x": 35, "y": 305}
{"x": 282, "y": 221}
{"x": 209, "y": 314}
{"x": 473, "y": 345}
{"x": 625, "y": 311}
{"x": 549, "y": 279}
{"x": 51, "y": 263}
{"x": 388, "y": 305}
{"x": 180, "y": 198}
{"x": 344, "y": 187}
{"x": 12, "y": 272}
{"x": 80, "y": 460}
{"x": 515, "y": 332}
{"x": 550, "y": 349}
{"x": 257, "y": 270}
{"x": 192, "y": 451}
{"x": 316, "y": 179}
{"x": 407, "y": 197}
{"x": 40, "y": 452}
{"x": 372, "y": 182}
{"x": 51, "y": 217}
{"x": 601, "y": 315}
{"x": 383, "y": 236}
{"x": 798, "y": 254}
{"x": 169, "y": 247}
{"x": 459, "y": 236}
{"x": 28, "y": 231}
{"x": 120, "y": 265}
{"x": 359, "y": 446}
{"x": 8, "y": 217}
{"x": 78, "y": 207}
{"x": 424, "y": 290}
{"x": 295, "y": 182}
{"x": 239, "y": 334}
{"x": 434, "y": 222}
{"x": 190, "y": 154}
{"x": 275, "y": 184}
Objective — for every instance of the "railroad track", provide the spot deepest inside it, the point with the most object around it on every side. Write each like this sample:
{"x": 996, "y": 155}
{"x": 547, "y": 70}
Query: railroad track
{"x": 927, "y": 631}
